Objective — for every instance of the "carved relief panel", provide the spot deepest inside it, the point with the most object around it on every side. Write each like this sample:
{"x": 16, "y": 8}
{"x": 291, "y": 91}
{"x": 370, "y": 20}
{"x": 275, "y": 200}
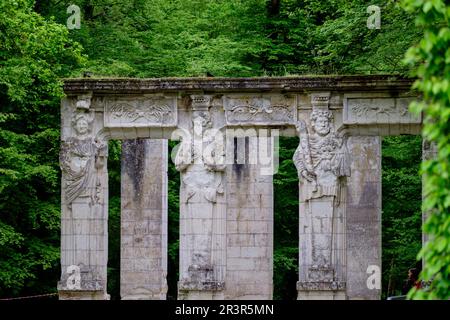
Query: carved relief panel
{"x": 142, "y": 111}
{"x": 371, "y": 109}
{"x": 274, "y": 109}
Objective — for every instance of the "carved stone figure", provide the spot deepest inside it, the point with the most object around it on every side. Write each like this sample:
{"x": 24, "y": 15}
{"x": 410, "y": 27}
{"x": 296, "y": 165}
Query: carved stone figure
{"x": 84, "y": 209}
{"x": 321, "y": 161}
{"x": 80, "y": 156}
{"x": 202, "y": 175}
{"x": 202, "y": 213}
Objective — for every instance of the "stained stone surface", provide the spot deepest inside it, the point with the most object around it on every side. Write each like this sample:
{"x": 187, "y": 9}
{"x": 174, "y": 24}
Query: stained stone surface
{"x": 143, "y": 256}
{"x": 84, "y": 205}
{"x": 202, "y": 206}
{"x": 323, "y": 165}
{"x": 363, "y": 223}
{"x": 249, "y": 230}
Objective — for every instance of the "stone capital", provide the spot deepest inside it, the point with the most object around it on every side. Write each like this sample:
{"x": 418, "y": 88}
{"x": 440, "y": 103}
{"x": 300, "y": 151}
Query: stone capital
{"x": 201, "y": 102}
{"x": 320, "y": 100}
{"x": 84, "y": 101}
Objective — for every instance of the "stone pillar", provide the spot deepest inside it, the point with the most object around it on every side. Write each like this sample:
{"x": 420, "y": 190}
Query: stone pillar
{"x": 322, "y": 163}
{"x": 143, "y": 258}
{"x": 249, "y": 225}
{"x": 202, "y": 208}
{"x": 364, "y": 219}
{"x": 84, "y": 203}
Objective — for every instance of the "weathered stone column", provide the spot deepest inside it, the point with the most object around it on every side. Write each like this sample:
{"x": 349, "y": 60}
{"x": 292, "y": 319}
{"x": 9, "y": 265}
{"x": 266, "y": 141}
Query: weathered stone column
{"x": 143, "y": 259}
{"x": 202, "y": 208}
{"x": 322, "y": 163}
{"x": 84, "y": 202}
{"x": 250, "y": 222}
{"x": 364, "y": 218}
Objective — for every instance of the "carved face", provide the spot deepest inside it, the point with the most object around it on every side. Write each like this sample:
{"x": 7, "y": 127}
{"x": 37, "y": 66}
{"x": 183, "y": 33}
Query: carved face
{"x": 201, "y": 121}
{"x": 321, "y": 125}
{"x": 82, "y": 126}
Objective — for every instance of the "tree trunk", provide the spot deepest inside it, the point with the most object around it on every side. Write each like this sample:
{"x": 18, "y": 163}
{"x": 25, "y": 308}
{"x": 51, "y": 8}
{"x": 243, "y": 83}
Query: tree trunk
{"x": 273, "y": 7}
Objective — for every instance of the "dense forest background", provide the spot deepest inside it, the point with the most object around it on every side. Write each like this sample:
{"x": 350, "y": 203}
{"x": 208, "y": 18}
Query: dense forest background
{"x": 159, "y": 38}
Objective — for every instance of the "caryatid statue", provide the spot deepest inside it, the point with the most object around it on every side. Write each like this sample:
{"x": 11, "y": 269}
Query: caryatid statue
{"x": 80, "y": 157}
{"x": 322, "y": 164}
{"x": 83, "y": 158}
{"x": 200, "y": 160}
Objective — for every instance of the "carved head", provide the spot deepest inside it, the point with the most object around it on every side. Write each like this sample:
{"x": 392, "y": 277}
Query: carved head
{"x": 321, "y": 120}
{"x": 81, "y": 123}
{"x": 201, "y": 121}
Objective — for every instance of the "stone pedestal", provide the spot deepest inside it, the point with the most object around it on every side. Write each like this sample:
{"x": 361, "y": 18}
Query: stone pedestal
{"x": 202, "y": 245}
{"x": 82, "y": 295}
{"x": 319, "y": 293}
{"x": 143, "y": 259}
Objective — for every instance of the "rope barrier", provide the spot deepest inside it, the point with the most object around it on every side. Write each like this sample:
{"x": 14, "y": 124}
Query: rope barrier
{"x": 31, "y": 297}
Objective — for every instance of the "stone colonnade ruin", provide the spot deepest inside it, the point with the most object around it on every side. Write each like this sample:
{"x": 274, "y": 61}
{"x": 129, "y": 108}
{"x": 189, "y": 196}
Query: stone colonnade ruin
{"x": 227, "y": 129}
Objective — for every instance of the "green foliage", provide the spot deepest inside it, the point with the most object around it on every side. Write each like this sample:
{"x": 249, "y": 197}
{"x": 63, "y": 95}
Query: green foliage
{"x": 312, "y": 36}
{"x": 168, "y": 38}
{"x": 173, "y": 190}
{"x": 237, "y": 38}
{"x": 114, "y": 156}
{"x": 402, "y": 215}
{"x": 432, "y": 60}
{"x": 285, "y": 272}
{"x": 34, "y": 55}
{"x": 285, "y": 257}
{"x": 346, "y": 45}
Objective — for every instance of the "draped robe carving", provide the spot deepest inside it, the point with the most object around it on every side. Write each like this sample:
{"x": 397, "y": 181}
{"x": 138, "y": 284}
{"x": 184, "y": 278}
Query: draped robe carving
{"x": 322, "y": 163}
{"x": 202, "y": 205}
